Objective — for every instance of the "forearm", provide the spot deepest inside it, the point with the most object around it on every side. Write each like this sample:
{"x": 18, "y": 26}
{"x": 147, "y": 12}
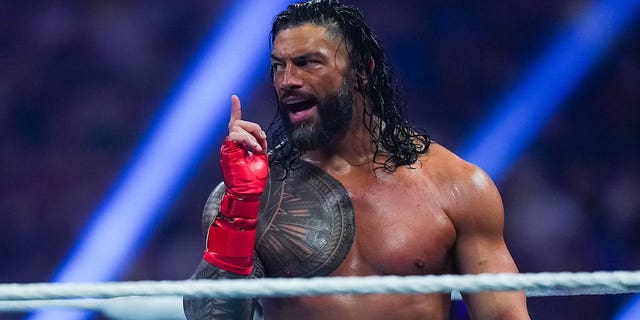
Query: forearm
{"x": 493, "y": 258}
{"x": 497, "y": 306}
{"x": 232, "y": 233}
{"x": 215, "y": 308}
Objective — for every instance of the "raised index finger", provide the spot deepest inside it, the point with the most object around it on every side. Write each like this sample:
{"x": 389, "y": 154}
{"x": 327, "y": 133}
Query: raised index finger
{"x": 236, "y": 113}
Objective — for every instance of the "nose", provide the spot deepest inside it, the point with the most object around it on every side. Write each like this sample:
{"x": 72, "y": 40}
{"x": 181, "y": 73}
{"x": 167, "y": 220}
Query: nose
{"x": 289, "y": 78}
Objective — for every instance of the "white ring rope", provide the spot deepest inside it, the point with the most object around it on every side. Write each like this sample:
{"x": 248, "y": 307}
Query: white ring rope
{"x": 123, "y": 308}
{"x": 536, "y": 284}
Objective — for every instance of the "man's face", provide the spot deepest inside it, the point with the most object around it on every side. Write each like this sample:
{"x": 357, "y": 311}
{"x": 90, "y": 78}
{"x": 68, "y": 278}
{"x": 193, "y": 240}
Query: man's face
{"x": 314, "y": 96}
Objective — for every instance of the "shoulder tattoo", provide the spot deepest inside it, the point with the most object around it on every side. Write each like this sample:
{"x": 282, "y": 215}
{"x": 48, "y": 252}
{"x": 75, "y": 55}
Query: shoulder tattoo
{"x": 306, "y": 226}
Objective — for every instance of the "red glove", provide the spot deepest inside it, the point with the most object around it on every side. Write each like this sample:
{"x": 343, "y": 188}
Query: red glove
{"x": 232, "y": 234}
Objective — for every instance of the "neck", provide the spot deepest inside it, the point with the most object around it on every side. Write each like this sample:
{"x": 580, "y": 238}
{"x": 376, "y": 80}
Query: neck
{"x": 352, "y": 149}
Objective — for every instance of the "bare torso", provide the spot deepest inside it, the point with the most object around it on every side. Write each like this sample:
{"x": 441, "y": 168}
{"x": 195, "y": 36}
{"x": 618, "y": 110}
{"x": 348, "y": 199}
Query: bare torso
{"x": 401, "y": 229}
{"x": 444, "y": 215}
{"x": 334, "y": 217}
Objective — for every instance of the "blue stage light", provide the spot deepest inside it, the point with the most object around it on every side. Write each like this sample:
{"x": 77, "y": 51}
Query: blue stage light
{"x": 234, "y": 57}
{"x": 516, "y": 120}
{"x": 631, "y": 311}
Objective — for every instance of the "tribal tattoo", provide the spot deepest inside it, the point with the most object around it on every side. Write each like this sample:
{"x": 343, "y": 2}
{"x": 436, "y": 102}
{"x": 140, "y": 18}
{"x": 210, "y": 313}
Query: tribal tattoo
{"x": 305, "y": 229}
{"x": 307, "y": 223}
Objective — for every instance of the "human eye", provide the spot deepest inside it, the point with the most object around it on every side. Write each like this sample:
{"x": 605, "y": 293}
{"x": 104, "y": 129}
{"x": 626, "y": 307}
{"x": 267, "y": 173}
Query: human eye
{"x": 308, "y": 63}
{"x": 276, "y": 66}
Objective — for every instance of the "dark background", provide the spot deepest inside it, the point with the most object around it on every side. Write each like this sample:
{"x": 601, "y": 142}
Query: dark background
{"x": 80, "y": 83}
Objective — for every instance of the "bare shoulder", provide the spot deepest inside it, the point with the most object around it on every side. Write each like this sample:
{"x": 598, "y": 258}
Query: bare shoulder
{"x": 446, "y": 167}
{"x": 468, "y": 194}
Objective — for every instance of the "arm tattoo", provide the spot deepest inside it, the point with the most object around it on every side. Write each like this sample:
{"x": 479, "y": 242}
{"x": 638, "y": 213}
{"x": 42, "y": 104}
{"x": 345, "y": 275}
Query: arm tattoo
{"x": 215, "y": 308}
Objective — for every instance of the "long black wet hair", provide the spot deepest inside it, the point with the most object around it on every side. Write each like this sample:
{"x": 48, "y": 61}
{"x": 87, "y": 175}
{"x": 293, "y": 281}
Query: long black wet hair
{"x": 384, "y": 116}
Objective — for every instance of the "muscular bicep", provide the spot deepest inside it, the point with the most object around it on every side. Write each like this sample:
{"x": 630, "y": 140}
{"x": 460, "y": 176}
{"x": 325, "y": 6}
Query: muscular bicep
{"x": 478, "y": 216}
{"x": 480, "y": 247}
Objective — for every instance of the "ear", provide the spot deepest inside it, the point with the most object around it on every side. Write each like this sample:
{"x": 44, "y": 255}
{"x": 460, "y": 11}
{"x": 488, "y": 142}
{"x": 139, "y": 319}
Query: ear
{"x": 362, "y": 76}
{"x": 372, "y": 65}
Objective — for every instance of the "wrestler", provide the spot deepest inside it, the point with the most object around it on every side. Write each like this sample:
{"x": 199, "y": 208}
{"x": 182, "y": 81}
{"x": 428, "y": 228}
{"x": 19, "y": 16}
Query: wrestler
{"x": 349, "y": 188}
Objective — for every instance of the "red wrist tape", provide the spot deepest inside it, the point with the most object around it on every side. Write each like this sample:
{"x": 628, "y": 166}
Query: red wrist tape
{"x": 233, "y": 207}
{"x": 230, "y": 249}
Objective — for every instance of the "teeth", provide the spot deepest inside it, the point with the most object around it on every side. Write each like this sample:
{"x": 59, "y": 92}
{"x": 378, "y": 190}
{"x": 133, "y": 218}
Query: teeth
{"x": 294, "y": 101}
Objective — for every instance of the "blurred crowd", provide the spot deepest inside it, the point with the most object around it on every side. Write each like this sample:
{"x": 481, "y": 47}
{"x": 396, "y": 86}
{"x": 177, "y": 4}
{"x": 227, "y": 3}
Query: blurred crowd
{"x": 80, "y": 83}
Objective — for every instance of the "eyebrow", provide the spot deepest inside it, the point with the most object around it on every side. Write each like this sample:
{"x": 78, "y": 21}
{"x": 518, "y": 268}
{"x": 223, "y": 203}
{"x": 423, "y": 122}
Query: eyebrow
{"x": 304, "y": 56}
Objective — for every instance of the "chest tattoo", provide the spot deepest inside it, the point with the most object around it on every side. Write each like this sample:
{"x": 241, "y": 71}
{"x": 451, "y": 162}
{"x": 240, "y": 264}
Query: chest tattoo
{"x": 306, "y": 226}
{"x": 306, "y": 223}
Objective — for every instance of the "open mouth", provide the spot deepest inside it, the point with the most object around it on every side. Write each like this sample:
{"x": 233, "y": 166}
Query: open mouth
{"x": 299, "y": 108}
{"x": 299, "y": 105}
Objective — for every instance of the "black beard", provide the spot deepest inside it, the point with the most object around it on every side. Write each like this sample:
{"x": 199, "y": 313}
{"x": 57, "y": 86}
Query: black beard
{"x": 334, "y": 115}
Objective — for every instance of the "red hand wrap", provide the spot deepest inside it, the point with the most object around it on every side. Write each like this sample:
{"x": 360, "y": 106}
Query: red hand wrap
{"x": 232, "y": 235}
{"x": 245, "y": 173}
{"x": 230, "y": 249}
{"x": 240, "y": 208}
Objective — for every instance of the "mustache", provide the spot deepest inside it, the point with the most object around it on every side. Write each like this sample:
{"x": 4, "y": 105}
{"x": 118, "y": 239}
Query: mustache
{"x": 298, "y": 94}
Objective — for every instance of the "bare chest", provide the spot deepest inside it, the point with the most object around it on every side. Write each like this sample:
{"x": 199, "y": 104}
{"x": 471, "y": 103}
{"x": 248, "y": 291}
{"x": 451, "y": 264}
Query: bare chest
{"x": 313, "y": 224}
{"x": 400, "y": 229}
